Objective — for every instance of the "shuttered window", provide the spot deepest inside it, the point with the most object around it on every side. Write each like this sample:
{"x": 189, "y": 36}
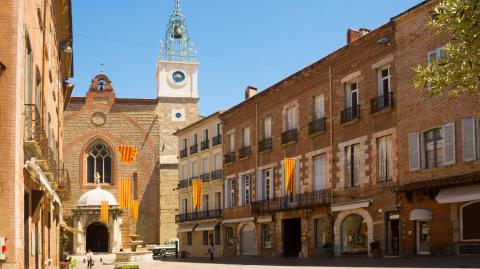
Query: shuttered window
{"x": 184, "y": 172}
{"x": 218, "y": 162}
{"x": 469, "y": 139}
{"x": 205, "y": 165}
{"x": 414, "y": 151}
{"x": 246, "y": 137}
{"x": 352, "y": 164}
{"x": 433, "y": 147}
{"x": 384, "y": 158}
{"x": 267, "y": 128}
{"x": 229, "y": 193}
{"x": 449, "y": 143}
{"x": 231, "y": 142}
{"x": 194, "y": 169}
{"x": 291, "y": 118}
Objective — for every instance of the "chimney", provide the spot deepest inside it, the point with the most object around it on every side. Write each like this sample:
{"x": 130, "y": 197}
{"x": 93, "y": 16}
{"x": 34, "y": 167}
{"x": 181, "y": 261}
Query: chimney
{"x": 353, "y": 35}
{"x": 250, "y": 92}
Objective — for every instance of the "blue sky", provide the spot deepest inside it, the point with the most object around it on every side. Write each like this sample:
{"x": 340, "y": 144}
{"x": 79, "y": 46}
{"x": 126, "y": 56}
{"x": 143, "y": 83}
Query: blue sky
{"x": 239, "y": 43}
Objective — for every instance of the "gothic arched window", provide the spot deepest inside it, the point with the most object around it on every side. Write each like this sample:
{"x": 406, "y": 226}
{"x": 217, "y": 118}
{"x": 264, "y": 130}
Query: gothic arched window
{"x": 99, "y": 160}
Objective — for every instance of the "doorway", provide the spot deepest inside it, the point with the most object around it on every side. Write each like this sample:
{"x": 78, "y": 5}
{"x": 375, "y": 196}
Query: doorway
{"x": 393, "y": 234}
{"x": 247, "y": 240}
{"x": 97, "y": 237}
{"x": 292, "y": 241}
{"x": 423, "y": 237}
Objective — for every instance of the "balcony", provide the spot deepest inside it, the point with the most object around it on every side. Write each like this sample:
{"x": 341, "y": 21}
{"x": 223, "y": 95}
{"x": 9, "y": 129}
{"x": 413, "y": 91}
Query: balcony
{"x": 204, "y": 145}
{"x": 236, "y": 212}
{"x": 245, "y": 152}
{"x": 218, "y": 174}
{"x": 298, "y": 201}
{"x": 33, "y": 129}
{"x": 205, "y": 177}
{"x": 382, "y": 102}
{"x": 217, "y": 140}
{"x": 317, "y": 126}
{"x": 193, "y": 149}
{"x": 229, "y": 157}
{"x": 350, "y": 114}
{"x": 183, "y": 153}
{"x": 47, "y": 160}
{"x": 183, "y": 183}
{"x": 63, "y": 178}
{"x": 265, "y": 144}
{"x": 199, "y": 215}
{"x": 289, "y": 136}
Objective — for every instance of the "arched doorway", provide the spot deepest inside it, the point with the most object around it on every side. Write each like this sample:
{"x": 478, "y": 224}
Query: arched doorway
{"x": 247, "y": 240}
{"x": 354, "y": 233}
{"x": 97, "y": 237}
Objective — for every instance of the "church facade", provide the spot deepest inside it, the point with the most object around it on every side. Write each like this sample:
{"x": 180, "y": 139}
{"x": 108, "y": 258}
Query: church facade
{"x": 97, "y": 123}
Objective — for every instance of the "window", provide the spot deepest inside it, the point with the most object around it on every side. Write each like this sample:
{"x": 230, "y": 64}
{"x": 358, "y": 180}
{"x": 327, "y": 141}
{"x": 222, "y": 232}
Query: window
{"x": 433, "y": 148}
{"x": 184, "y": 172}
{"x": 354, "y": 234}
{"x": 217, "y": 235}
{"x": 38, "y": 90}
{"x": 470, "y": 139}
{"x": 218, "y": 162}
{"x": 318, "y": 233}
{"x": 291, "y": 118}
{"x": 205, "y": 166}
{"x": 205, "y": 238}
{"x": 470, "y": 221}
{"x": 194, "y": 169}
{"x": 189, "y": 238}
{"x": 351, "y": 95}
{"x": 101, "y": 85}
{"x": 229, "y": 193}
{"x": 319, "y": 107}
{"x": 184, "y": 206}
{"x": 266, "y": 236}
{"x": 184, "y": 144}
{"x": 205, "y": 135}
{"x": 219, "y": 129}
{"x": 319, "y": 182}
{"x": 229, "y": 236}
{"x": 437, "y": 54}
{"x": 205, "y": 202}
{"x": 194, "y": 141}
{"x": 384, "y": 158}
{"x": 268, "y": 184}
{"x": 383, "y": 85}
{"x": 218, "y": 200}
{"x": 28, "y": 72}
{"x": 99, "y": 160}
{"x": 267, "y": 128}
{"x": 351, "y": 165}
{"x": 231, "y": 142}
{"x": 245, "y": 189}
{"x": 246, "y": 137}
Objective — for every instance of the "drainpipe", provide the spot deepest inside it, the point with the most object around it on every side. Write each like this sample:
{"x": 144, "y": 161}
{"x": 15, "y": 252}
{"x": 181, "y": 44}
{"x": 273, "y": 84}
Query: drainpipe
{"x": 44, "y": 29}
{"x": 331, "y": 152}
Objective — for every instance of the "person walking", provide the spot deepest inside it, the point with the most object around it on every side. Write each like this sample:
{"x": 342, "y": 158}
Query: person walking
{"x": 89, "y": 257}
{"x": 211, "y": 250}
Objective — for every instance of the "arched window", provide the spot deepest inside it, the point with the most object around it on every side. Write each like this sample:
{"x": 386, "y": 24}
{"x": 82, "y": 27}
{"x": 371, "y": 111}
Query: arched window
{"x": 470, "y": 221}
{"x": 354, "y": 234}
{"x": 99, "y": 160}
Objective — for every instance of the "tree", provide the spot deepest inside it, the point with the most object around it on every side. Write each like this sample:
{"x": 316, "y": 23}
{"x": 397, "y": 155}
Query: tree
{"x": 458, "y": 70}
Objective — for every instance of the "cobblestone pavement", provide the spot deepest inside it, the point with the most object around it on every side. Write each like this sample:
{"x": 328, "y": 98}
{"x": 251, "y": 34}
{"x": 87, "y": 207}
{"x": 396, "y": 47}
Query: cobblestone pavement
{"x": 273, "y": 263}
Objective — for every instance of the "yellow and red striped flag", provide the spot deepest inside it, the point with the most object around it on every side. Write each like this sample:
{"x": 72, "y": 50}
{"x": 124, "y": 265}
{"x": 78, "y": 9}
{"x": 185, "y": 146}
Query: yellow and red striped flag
{"x": 104, "y": 211}
{"x": 135, "y": 206}
{"x": 125, "y": 187}
{"x": 197, "y": 193}
{"x": 289, "y": 165}
{"x": 127, "y": 153}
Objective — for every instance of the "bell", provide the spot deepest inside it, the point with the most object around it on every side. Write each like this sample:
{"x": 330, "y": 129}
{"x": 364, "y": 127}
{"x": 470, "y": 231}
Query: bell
{"x": 177, "y": 33}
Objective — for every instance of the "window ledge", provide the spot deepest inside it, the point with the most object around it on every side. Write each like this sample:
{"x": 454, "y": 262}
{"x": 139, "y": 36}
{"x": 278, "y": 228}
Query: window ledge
{"x": 385, "y": 110}
{"x": 289, "y": 143}
{"x": 317, "y": 134}
{"x": 348, "y": 123}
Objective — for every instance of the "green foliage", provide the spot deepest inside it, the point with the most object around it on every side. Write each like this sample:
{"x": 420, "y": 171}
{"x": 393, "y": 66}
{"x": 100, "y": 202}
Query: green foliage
{"x": 127, "y": 266}
{"x": 459, "y": 72}
{"x": 73, "y": 263}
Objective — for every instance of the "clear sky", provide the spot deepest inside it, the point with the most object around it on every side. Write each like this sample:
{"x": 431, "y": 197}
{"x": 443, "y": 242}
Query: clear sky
{"x": 239, "y": 42}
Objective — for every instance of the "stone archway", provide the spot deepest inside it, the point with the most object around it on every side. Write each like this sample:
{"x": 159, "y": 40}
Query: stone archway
{"x": 337, "y": 228}
{"x": 97, "y": 237}
{"x": 247, "y": 236}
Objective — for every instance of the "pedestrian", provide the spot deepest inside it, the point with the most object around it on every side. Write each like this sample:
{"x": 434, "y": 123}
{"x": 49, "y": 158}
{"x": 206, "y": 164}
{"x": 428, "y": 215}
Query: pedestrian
{"x": 89, "y": 257}
{"x": 211, "y": 250}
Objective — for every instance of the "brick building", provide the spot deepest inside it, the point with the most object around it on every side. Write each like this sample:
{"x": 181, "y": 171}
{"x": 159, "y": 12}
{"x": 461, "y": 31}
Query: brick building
{"x": 35, "y": 63}
{"x": 201, "y": 157}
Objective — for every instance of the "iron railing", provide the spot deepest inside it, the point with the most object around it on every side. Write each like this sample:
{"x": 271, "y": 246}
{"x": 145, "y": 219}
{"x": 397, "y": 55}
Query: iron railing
{"x": 245, "y": 152}
{"x": 382, "y": 102}
{"x": 289, "y": 136}
{"x": 32, "y": 123}
{"x": 217, "y": 140}
{"x": 350, "y": 114}
{"x": 217, "y": 174}
{"x": 193, "y": 149}
{"x": 199, "y": 215}
{"x": 204, "y": 145}
{"x": 265, "y": 144}
{"x": 63, "y": 178}
{"x": 229, "y": 157}
{"x": 183, "y": 153}
{"x": 301, "y": 200}
{"x": 317, "y": 126}
{"x": 205, "y": 177}
{"x": 183, "y": 183}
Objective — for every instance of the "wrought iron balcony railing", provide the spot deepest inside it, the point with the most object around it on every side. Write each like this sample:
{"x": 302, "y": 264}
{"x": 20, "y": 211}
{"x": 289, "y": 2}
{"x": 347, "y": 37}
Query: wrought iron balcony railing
{"x": 199, "y": 215}
{"x": 193, "y": 149}
{"x": 244, "y": 152}
{"x": 205, "y": 177}
{"x": 350, "y": 114}
{"x": 298, "y": 201}
{"x": 33, "y": 130}
{"x": 63, "y": 178}
{"x": 317, "y": 126}
{"x": 204, "y": 145}
{"x": 183, "y": 153}
{"x": 229, "y": 157}
{"x": 265, "y": 144}
{"x": 217, "y": 174}
{"x": 289, "y": 136}
{"x": 217, "y": 140}
{"x": 382, "y": 102}
{"x": 183, "y": 183}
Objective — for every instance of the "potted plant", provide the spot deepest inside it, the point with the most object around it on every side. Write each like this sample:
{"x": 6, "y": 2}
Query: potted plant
{"x": 375, "y": 250}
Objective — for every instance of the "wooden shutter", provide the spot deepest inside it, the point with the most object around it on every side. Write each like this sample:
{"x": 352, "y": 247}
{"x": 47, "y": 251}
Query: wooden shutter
{"x": 347, "y": 166}
{"x": 389, "y": 157}
{"x": 449, "y": 143}
{"x": 267, "y": 128}
{"x": 319, "y": 172}
{"x": 272, "y": 184}
{"x": 282, "y": 176}
{"x": 241, "y": 194}
{"x": 319, "y": 107}
{"x": 259, "y": 185}
{"x": 468, "y": 139}
{"x": 227, "y": 194}
{"x": 413, "y": 151}
{"x": 246, "y": 138}
{"x": 356, "y": 167}
{"x": 297, "y": 177}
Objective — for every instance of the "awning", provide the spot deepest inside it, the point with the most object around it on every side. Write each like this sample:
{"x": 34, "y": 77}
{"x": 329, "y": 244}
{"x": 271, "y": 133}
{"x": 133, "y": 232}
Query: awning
{"x": 264, "y": 219}
{"x": 64, "y": 226}
{"x": 238, "y": 220}
{"x": 420, "y": 214}
{"x": 460, "y": 194}
{"x": 38, "y": 173}
{"x": 350, "y": 206}
{"x": 185, "y": 228}
{"x": 206, "y": 227}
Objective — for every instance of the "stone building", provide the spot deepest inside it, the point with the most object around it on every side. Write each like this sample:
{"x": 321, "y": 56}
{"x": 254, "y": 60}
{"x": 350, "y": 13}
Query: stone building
{"x": 94, "y": 127}
{"x": 36, "y": 61}
{"x": 201, "y": 157}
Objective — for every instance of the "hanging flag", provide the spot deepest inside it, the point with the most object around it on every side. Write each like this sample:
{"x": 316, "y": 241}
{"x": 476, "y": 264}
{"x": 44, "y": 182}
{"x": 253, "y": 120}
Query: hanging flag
{"x": 104, "y": 211}
{"x": 128, "y": 153}
{"x": 125, "y": 187}
{"x": 135, "y": 205}
{"x": 197, "y": 193}
{"x": 289, "y": 165}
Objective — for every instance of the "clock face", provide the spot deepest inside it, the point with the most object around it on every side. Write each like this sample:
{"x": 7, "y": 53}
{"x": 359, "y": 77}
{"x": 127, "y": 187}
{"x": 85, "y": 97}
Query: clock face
{"x": 178, "y": 76}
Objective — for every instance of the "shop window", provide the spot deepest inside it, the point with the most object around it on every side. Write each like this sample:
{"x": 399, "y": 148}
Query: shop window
{"x": 354, "y": 235}
{"x": 470, "y": 221}
{"x": 205, "y": 238}
{"x": 318, "y": 233}
{"x": 217, "y": 235}
{"x": 229, "y": 236}
{"x": 266, "y": 235}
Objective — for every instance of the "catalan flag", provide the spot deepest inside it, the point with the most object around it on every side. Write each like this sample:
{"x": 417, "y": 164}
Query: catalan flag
{"x": 135, "y": 205}
{"x": 197, "y": 193}
{"x": 289, "y": 166}
{"x": 104, "y": 211}
{"x": 128, "y": 153}
{"x": 125, "y": 187}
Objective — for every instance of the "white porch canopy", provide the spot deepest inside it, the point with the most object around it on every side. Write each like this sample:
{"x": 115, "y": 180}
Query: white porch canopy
{"x": 205, "y": 227}
{"x": 420, "y": 214}
{"x": 186, "y": 228}
{"x": 37, "y": 171}
{"x": 460, "y": 194}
